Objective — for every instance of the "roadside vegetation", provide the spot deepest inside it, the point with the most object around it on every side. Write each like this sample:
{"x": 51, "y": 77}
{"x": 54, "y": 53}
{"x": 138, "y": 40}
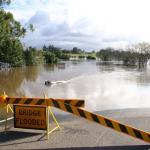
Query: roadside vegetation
{"x": 11, "y": 32}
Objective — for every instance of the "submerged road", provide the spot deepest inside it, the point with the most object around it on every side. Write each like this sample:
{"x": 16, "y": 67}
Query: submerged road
{"x": 77, "y": 133}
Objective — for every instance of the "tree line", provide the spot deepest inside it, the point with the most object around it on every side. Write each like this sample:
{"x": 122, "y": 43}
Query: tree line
{"x": 137, "y": 54}
{"x": 13, "y": 52}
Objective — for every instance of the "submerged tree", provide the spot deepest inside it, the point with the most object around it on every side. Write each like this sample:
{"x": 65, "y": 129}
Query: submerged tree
{"x": 140, "y": 53}
{"x": 50, "y": 57}
{"x": 33, "y": 56}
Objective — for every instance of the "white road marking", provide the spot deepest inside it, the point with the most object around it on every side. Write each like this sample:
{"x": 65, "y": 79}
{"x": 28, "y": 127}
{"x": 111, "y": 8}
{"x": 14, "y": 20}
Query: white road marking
{"x": 1, "y": 121}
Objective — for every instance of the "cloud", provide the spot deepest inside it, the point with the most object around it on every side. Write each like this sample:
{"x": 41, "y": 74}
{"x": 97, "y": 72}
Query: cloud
{"x": 91, "y": 24}
{"x": 40, "y": 18}
{"x": 53, "y": 29}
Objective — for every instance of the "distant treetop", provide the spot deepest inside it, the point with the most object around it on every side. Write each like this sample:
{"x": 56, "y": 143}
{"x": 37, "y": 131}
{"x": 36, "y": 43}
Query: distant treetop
{"x": 3, "y": 2}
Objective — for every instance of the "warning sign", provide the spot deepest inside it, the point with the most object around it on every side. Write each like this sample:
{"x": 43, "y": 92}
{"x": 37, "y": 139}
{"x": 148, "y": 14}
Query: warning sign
{"x": 30, "y": 117}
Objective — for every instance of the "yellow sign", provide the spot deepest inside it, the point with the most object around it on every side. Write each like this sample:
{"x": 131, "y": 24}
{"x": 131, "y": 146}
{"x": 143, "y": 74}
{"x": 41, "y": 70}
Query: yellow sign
{"x": 30, "y": 117}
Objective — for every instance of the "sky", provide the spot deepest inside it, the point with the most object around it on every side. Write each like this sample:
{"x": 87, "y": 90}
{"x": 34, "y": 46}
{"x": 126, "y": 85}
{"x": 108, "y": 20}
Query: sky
{"x": 86, "y": 24}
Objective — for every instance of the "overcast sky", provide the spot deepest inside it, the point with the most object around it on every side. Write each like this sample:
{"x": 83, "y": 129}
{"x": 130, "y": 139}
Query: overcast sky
{"x": 87, "y": 24}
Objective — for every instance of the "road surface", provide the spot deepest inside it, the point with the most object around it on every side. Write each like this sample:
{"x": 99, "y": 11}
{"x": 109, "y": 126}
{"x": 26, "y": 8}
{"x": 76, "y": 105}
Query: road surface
{"x": 77, "y": 133}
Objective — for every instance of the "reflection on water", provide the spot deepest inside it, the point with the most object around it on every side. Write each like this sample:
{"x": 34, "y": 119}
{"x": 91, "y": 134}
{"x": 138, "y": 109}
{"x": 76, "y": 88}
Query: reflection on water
{"x": 11, "y": 80}
{"x": 102, "y": 86}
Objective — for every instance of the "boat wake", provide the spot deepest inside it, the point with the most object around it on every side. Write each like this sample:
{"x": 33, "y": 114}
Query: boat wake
{"x": 53, "y": 83}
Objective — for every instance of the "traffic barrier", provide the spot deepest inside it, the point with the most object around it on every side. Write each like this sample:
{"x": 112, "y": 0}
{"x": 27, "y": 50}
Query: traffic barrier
{"x": 46, "y": 102}
{"x": 73, "y": 106}
{"x": 107, "y": 122}
{"x": 43, "y": 101}
{"x": 3, "y": 101}
{"x": 34, "y": 117}
{"x": 4, "y": 105}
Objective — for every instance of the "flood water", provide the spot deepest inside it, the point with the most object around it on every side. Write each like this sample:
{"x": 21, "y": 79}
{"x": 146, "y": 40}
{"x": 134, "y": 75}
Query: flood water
{"x": 103, "y": 87}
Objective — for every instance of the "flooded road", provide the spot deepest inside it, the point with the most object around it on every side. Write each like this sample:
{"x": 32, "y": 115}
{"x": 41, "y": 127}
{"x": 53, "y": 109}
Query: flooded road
{"x": 103, "y": 87}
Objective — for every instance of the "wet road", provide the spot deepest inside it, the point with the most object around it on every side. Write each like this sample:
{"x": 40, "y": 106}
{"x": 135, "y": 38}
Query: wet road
{"x": 78, "y": 133}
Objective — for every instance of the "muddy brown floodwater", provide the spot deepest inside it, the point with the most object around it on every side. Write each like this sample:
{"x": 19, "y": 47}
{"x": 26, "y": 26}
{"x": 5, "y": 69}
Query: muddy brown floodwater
{"x": 103, "y": 87}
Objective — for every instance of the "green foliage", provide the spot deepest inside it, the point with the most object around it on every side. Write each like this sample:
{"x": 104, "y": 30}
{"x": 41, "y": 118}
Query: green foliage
{"x": 141, "y": 48}
{"x": 29, "y": 55}
{"x": 31, "y": 27}
{"x": 129, "y": 58}
{"x": 81, "y": 56}
{"x": 55, "y": 50}
{"x": 12, "y": 52}
{"x": 33, "y": 56}
{"x": 140, "y": 53}
{"x": 3, "y": 2}
{"x": 64, "y": 57}
{"x": 11, "y": 49}
{"x": 50, "y": 57}
{"x": 76, "y": 50}
{"x": 105, "y": 54}
{"x": 90, "y": 57}
{"x": 9, "y": 28}
{"x": 44, "y": 48}
{"x": 136, "y": 54}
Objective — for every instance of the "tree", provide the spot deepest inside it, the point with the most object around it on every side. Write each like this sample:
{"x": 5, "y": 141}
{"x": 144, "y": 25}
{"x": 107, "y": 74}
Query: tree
{"x": 129, "y": 58}
{"x": 142, "y": 48}
{"x": 50, "y": 58}
{"x": 75, "y": 50}
{"x": 33, "y": 56}
{"x": 44, "y": 48}
{"x": 29, "y": 55}
{"x": 31, "y": 27}
{"x": 91, "y": 57}
{"x": 105, "y": 54}
{"x": 12, "y": 53}
{"x": 55, "y": 50}
{"x": 11, "y": 31}
{"x": 3, "y": 2}
{"x": 11, "y": 50}
{"x": 141, "y": 52}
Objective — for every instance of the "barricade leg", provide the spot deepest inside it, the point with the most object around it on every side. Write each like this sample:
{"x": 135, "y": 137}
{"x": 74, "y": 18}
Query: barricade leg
{"x": 8, "y": 107}
{"x": 47, "y": 119}
{"x": 48, "y": 114}
{"x": 6, "y": 119}
{"x": 54, "y": 118}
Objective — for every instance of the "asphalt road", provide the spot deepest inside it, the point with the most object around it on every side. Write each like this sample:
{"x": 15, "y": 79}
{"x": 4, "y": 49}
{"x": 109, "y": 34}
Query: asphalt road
{"x": 77, "y": 133}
